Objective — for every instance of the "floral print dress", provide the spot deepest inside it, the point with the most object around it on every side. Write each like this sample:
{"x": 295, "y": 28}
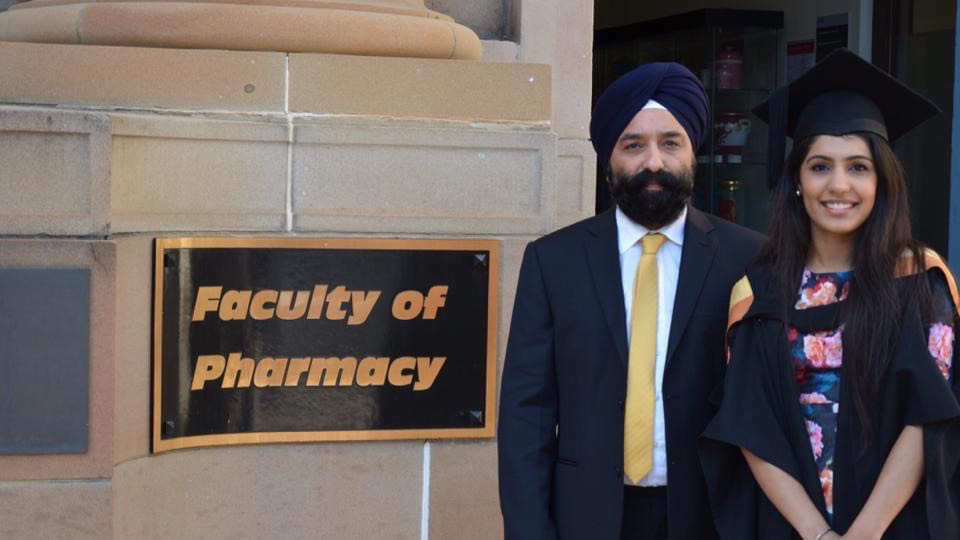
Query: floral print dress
{"x": 817, "y": 358}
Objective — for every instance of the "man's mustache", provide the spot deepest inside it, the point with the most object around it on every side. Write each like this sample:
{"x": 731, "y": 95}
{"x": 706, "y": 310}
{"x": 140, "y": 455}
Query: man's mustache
{"x": 667, "y": 180}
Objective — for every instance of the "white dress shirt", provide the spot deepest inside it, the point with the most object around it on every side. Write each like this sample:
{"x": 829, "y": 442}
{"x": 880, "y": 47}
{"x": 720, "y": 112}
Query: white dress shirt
{"x": 629, "y": 234}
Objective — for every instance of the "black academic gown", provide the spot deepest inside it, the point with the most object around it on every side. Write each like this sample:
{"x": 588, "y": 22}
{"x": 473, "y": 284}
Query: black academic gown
{"x": 761, "y": 412}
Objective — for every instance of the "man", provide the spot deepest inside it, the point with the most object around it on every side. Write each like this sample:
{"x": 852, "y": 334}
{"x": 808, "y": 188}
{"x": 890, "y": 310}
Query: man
{"x": 582, "y": 453}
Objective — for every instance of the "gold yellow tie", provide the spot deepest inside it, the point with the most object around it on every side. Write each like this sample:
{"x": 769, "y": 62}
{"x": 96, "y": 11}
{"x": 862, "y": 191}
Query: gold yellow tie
{"x": 641, "y": 372}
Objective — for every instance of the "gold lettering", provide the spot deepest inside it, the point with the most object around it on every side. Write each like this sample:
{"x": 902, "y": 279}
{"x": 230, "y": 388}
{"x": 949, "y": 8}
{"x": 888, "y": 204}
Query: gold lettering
{"x": 298, "y": 366}
{"x": 208, "y": 298}
{"x": 331, "y": 370}
{"x": 209, "y": 368}
{"x": 258, "y": 308}
{"x": 373, "y": 371}
{"x": 287, "y": 312}
{"x": 407, "y": 305}
{"x": 234, "y": 304}
{"x": 363, "y": 303}
{"x": 240, "y": 372}
{"x": 316, "y": 302}
{"x": 436, "y": 298}
{"x": 335, "y": 301}
{"x": 238, "y": 368}
{"x": 397, "y": 377}
{"x": 270, "y": 372}
{"x": 427, "y": 371}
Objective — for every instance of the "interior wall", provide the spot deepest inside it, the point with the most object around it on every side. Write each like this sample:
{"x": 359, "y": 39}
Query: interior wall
{"x": 800, "y": 18}
{"x": 928, "y": 67}
{"x": 933, "y": 16}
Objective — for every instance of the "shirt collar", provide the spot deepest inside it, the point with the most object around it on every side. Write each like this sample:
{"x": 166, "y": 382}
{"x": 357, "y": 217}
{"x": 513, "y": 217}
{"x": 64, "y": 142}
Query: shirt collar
{"x": 630, "y": 232}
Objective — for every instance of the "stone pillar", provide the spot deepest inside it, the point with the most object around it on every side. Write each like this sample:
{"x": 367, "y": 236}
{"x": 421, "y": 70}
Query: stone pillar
{"x": 125, "y": 121}
{"x": 359, "y": 27}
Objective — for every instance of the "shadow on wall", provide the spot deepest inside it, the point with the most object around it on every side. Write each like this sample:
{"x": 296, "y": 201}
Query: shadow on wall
{"x": 490, "y": 19}
{"x": 4, "y": 4}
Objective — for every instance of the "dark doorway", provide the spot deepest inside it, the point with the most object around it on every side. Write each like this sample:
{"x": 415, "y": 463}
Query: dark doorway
{"x": 914, "y": 41}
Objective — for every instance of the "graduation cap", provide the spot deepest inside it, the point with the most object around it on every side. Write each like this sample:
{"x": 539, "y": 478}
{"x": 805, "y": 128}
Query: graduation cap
{"x": 841, "y": 94}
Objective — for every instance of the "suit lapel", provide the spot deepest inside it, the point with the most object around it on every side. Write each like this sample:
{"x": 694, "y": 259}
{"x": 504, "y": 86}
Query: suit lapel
{"x": 699, "y": 247}
{"x": 603, "y": 258}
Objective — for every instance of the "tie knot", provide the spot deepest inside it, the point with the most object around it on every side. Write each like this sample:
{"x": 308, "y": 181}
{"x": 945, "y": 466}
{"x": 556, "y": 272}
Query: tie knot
{"x": 651, "y": 243}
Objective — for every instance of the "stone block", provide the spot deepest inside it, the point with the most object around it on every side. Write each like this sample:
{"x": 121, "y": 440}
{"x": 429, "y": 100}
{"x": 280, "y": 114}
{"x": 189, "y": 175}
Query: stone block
{"x": 576, "y": 181}
{"x": 337, "y": 490}
{"x": 421, "y": 88}
{"x": 141, "y": 77}
{"x": 560, "y": 33}
{"x": 511, "y": 255}
{"x": 133, "y": 338}
{"x": 500, "y": 51}
{"x": 54, "y": 171}
{"x": 44, "y": 510}
{"x": 536, "y": 27}
{"x": 99, "y": 258}
{"x": 573, "y": 67}
{"x": 198, "y": 174}
{"x": 464, "y": 503}
{"x": 410, "y": 178}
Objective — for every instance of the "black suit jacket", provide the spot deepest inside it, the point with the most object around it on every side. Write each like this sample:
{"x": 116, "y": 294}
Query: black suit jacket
{"x": 560, "y": 434}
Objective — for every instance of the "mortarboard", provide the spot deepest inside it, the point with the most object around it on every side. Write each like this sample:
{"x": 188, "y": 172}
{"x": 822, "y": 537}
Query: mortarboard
{"x": 841, "y": 94}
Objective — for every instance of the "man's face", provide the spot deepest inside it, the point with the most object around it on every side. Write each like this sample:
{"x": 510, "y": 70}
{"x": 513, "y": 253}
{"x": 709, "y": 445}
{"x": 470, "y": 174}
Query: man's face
{"x": 652, "y": 169}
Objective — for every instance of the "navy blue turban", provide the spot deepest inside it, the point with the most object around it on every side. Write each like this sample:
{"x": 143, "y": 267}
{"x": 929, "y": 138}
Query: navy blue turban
{"x": 667, "y": 83}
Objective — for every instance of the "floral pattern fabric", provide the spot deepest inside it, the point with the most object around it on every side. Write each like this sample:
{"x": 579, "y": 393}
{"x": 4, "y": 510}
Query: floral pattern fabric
{"x": 817, "y": 358}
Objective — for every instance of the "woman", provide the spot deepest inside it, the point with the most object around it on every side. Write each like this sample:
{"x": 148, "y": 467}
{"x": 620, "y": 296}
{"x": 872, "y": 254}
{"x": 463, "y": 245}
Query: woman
{"x": 838, "y": 416}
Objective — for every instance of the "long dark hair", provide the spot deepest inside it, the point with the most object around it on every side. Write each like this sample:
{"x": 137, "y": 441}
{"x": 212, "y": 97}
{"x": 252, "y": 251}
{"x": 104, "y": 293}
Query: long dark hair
{"x": 874, "y": 308}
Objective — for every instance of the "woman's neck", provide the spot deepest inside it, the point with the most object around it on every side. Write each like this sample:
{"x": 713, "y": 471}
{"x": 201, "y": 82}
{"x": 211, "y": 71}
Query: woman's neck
{"x": 830, "y": 252}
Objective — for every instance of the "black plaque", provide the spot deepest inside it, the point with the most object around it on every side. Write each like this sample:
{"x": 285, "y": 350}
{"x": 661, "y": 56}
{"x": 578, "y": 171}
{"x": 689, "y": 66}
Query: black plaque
{"x": 290, "y": 339}
{"x": 45, "y": 360}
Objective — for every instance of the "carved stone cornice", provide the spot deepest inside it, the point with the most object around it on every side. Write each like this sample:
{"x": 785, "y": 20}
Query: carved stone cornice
{"x": 399, "y": 28}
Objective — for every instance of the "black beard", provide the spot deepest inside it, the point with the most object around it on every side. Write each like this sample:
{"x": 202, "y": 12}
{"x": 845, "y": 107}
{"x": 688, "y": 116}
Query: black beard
{"x": 652, "y": 208}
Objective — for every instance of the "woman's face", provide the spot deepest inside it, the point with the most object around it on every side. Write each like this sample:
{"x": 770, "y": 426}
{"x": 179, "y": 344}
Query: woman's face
{"x": 838, "y": 184}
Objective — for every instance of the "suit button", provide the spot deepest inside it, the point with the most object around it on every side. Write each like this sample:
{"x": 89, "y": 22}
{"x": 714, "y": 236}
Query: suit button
{"x": 618, "y": 471}
{"x": 620, "y": 404}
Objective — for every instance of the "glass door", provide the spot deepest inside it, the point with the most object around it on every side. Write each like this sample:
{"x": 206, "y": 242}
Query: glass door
{"x": 914, "y": 41}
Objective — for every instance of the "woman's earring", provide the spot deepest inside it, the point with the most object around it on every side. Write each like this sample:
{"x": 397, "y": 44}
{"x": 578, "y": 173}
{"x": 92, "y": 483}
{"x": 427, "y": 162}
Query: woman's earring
{"x": 797, "y": 191}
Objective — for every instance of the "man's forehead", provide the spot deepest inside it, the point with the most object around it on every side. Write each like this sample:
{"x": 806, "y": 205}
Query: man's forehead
{"x": 653, "y": 122}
